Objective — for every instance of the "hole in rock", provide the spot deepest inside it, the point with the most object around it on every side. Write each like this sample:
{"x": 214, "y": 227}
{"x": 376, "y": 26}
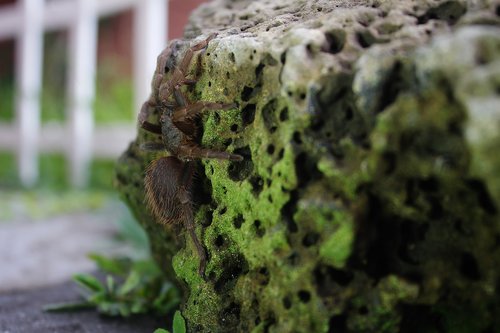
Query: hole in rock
{"x": 257, "y": 185}
{"x": 284, "y": 114}
{"x": 268, "y": 114}
{"x": 246, "y": 94}
{"x": 304, "y": 296}
{"x": 335, "y": 41}
{"x": 270, "y": 149}
{"x": 238, "y": 221}
{"x": 240, "y": 170}
{"x": 248, "y": 114}
{"x": 469, "y": 267}
{"x": 287, "y": 304}
{"x": 338, "y": 324}
{"x": 310, "y": 239}
{"x": 259, "y": 230}
{"x": 219, "y": 241}
{"x": 234, "y": 265}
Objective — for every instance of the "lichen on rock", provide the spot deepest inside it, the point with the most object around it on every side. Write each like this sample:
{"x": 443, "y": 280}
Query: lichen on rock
{"x": 368, "y": 197}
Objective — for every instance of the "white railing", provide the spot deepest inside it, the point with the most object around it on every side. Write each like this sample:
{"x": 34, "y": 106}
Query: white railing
{"x": 78, "y": 138}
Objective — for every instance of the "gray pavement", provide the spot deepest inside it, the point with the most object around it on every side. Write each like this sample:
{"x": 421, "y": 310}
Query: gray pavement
{"x": 45, "y": 252}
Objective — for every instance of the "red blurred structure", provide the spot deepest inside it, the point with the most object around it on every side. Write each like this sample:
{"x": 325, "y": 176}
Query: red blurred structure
{"x": 178, "y": 16}
{"x": 115, "y": 33}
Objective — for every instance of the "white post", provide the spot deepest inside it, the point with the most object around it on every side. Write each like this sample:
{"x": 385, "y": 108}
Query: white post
{"x": 82, "y": 68}
{"x": 150, "y": 38}
{"x": 28, "y": 74}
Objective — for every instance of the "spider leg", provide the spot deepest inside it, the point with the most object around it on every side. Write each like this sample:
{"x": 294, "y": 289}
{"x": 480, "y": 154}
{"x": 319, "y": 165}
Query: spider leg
{"x": 143, "y": 119}
{"x": 190, "y": 81}
{"x": 192, "y": 110}
{"x": 186, "y": 110}
{"x": 178, "y": 77}
{"x": 188, "y": 56}
{"x": 161, "y": 61}
{"x": 155, "y": 83}
{"x": 180, "y": 99}
{"x": 187, "y": 211}
{"x": 189, "y": 223}
{"x": 194, "y": 152}
{"x": 152, "y": 146}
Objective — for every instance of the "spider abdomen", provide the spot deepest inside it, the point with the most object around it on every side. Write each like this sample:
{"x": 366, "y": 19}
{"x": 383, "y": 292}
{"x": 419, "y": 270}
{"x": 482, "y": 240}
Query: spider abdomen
{"x": 164, "y": 177}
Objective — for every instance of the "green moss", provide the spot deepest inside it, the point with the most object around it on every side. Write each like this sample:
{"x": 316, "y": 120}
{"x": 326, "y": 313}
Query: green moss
{"x": 336, "y": 249}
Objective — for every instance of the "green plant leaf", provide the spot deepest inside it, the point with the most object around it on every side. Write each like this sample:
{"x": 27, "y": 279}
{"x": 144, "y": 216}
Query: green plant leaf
{"x": 89, "y": 282}
{"x": 139, "y": 306}
{"x": 109, "y": 308}
{"x": 161, "y": 330}
{"x": 110, "y": 283}
{"x": 143, "y": 290}
{"x": 66, "y": 307}
{"x": 167, "y": 300}
{"x": 124, "y": 310}
{"x": 179, "y": 325}
{"x": 133, "y": 281}
{"x": 97, "y": 297}
{"x": 146, "y": 268}
{"x": 118, "y": 266}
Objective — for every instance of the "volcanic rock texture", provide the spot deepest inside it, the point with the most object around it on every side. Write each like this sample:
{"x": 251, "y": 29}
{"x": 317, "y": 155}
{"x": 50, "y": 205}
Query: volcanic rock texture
{"x": 369, "y": 196}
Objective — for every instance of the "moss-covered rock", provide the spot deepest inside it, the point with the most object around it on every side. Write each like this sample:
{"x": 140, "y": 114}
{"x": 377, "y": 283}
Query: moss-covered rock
{"x": 368, "y": 197}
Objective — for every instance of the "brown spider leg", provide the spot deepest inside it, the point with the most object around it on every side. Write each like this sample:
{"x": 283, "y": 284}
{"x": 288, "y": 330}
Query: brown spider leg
{"x": 143, "y": 116}
{"x": 185, "y": 199}
{"x": 162, "y": 60}
{"x": 178, "y": 76}
{"x": 192, "y": 110}
{"x": 193, "y": 152}
{"x": 180, "y": 99}
{"x": 190, "y": 81}
{"x": 152, "y": 146}
{"x": 186, "y": 110}
{"x": 155, "y": 84}
{"x": 188, "y": 56}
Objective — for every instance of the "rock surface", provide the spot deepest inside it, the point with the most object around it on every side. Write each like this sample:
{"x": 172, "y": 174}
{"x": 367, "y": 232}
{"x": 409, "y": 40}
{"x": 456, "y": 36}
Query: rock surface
{"x": 368, "y": 197}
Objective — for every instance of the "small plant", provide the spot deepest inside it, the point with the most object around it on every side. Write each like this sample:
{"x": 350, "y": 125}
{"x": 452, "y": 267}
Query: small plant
{"x": 129, "y": 287}
{"x": 179, "y": 325}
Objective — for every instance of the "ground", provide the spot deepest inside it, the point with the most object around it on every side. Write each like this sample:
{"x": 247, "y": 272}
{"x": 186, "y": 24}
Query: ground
{"x": 43, "y": 242}
{"x": 21, "y": 312}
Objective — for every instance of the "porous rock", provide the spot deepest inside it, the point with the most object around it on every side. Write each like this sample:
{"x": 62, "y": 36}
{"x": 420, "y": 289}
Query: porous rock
{"x": 368, "y": 197}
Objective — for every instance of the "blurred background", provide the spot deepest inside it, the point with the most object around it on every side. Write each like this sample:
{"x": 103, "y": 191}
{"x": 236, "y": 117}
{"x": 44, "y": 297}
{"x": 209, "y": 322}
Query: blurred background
{"x": 73, "y": 74}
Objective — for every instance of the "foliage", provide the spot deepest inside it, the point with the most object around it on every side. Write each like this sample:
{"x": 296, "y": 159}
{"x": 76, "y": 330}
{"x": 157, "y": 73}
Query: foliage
{"x": 179, "y": 325}
{"x": 129, "y": 287}
{"x": 8, "y": 171}
{"x": 6, "y": 99}
{"x": 113, "y": 101}
{"x": 53, "y": 172}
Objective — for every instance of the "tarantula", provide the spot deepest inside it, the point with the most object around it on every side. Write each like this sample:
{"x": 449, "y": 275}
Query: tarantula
{"x": 169, "y": 179}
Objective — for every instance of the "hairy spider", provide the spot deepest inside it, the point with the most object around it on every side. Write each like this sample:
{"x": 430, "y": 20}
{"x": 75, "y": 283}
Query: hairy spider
{"x": 169, "y": 179}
